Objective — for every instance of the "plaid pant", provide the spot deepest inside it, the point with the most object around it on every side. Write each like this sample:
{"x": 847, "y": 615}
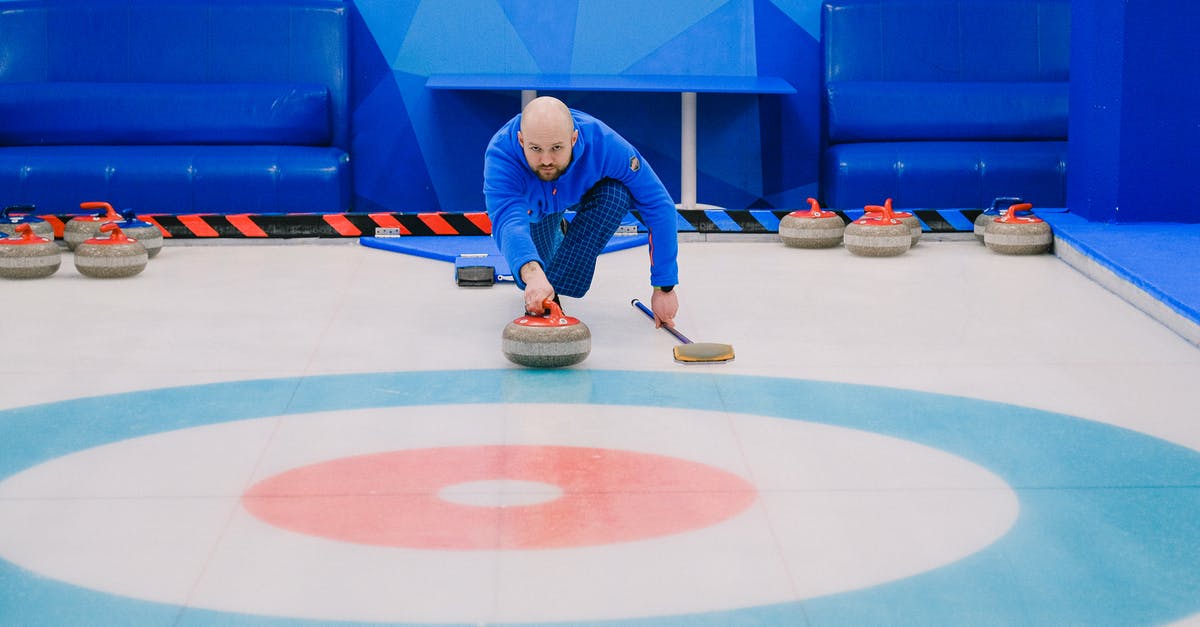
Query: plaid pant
{"x": 570, "y": 257}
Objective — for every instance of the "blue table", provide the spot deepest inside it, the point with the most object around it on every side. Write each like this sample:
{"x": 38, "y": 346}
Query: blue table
{"x": 687, "y": 86}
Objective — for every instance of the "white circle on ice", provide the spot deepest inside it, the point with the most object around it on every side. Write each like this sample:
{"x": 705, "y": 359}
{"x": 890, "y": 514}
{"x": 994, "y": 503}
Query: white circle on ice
{"x": 500, "y": 493}
{"x": 159, "y": 518}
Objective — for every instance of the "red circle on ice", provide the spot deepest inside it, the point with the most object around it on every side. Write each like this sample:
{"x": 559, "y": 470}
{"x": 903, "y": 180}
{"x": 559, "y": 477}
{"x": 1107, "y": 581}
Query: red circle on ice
{"x": 392, "y": 499}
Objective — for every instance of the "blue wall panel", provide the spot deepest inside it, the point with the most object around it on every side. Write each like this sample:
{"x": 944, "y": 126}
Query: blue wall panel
{"x": 1135, "y": 94}
{"x": 422, "y": 150}
{"x": 789, "y": 126}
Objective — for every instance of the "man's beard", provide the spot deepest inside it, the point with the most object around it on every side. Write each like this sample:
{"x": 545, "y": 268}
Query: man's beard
{"x": 548, "y": 175}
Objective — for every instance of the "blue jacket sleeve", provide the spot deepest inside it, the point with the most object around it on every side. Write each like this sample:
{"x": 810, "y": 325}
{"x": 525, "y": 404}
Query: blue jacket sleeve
{"x": 504, "y": 184}
{"x": 655, "y": 206}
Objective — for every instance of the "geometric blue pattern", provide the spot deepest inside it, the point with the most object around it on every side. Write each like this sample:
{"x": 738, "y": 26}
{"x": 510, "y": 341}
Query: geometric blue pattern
{"x": 754, "y": 151}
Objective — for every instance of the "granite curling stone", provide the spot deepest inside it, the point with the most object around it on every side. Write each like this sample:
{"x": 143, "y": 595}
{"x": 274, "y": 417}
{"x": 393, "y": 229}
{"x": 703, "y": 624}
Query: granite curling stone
{"x": 148, "y": 234}
{"x": 878, "y": 234}
{"x": 991, "y": 213}
{"x": 1012, "y": 234}
{"x": 551, "y": 340}
{"x": 909, "y": 220}
{"x": 28, "y": 256}
{"x": 9, "y": 221}
{"x": 80, "y": 229}
{"x": 112, "y": 257}
{"x": 811, "y": 229}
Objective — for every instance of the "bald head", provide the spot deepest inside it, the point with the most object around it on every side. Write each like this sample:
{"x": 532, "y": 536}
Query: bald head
{"x": 546, "y": 136}
{"x": 546, "y": 113}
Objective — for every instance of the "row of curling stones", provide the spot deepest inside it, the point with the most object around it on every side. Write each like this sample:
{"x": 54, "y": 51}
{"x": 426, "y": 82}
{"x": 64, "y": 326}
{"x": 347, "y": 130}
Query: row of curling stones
{"x": 882, "y": 232}
{"x": 112, "y": 255}
{"x": 10, "y": 220}
{"x": 550, "y": 340}
{"x": 1014, "y": 234}
{"x": 83, "y": 228}
{"x": 825, "y": 229}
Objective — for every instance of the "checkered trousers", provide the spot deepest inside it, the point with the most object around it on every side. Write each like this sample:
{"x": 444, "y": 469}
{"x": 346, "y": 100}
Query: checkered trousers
{"x": 571, "y": 257}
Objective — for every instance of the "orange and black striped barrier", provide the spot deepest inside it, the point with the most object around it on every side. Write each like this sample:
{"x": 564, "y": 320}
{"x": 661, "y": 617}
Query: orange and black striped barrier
{"x": 475, "y": 223}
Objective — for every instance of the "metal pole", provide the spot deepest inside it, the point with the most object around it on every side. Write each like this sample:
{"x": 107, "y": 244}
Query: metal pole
{"x": 687, "y": 150}
{"x": 526, "y": 96}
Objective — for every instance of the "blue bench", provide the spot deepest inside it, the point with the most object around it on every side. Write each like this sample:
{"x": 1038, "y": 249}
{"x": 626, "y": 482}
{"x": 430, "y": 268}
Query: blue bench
{"x": 944, "y": 103}
{"x": 686, "y": 86}
{"x": 181, "y": 107}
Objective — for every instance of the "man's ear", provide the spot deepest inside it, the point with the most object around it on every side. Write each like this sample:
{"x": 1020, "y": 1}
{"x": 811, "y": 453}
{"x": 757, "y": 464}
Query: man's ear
{"x": 521, "y": 139}
{"x": 574, "y": 136}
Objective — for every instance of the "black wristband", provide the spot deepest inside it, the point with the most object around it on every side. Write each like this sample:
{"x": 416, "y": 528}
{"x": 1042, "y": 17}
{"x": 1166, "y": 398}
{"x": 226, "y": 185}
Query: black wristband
{"x": 665, "y": 288}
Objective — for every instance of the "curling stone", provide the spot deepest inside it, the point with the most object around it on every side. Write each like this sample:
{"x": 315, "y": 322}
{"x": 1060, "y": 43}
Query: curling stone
{"x": 909, "y": 220}
{"x": 9, "y": 222}
{"x": 995, "y": 211}
{"x": 811, "y": 229}
{"x": 1011, "y": 234}
{"x": 878, "y": 234}
{"x": 28, "y": 256}
{"x": 552, "y": 340}
{"x": 80, "y": 229}
{"x": 149, "y": 235}
{"x": 111, "y": 257}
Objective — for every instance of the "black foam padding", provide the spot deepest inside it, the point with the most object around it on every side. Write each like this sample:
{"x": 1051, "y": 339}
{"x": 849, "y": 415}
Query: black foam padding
{"x": 475, "y": 276}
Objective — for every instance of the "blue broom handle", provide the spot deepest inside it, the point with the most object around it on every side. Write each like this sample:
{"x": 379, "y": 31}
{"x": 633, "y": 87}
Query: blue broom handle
{"x": 646, "y": 310}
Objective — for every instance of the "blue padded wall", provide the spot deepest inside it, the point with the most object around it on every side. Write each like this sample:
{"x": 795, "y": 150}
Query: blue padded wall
{"x": 1135, "y": 95}
{"x": 221, "y": 41}
{"x": 417, "y": 149}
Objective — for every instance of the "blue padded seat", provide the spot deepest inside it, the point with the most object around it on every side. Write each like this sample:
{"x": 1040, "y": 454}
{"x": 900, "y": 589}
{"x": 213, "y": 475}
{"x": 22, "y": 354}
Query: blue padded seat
{"x": 944, "y": 103}
{"x": 182, "y": 178}
{"x": 179, "y": 106}
{"x": 947, "y": 174}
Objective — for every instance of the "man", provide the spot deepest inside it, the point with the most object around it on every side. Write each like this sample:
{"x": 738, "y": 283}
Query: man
{"x": 550, "y": 158}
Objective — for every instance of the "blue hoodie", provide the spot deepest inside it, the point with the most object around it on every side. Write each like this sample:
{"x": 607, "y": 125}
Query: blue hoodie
{"x": 516, "y": 197}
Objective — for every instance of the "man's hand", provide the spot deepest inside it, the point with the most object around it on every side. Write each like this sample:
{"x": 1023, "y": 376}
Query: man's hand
{"x": 537, "y": 287}
{"x": 664, "y": 305}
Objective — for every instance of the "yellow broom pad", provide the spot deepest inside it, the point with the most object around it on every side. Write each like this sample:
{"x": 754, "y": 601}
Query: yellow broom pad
{"x": 703, "y": 352}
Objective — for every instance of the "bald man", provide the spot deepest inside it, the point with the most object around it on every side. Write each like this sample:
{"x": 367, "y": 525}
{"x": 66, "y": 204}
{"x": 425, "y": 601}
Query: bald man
{"x": 549, "y": 159}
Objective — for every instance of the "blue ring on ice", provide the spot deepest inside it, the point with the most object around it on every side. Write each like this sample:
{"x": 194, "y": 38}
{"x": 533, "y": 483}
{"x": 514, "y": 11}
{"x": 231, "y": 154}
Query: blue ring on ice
{"x": 1108, "y": 531}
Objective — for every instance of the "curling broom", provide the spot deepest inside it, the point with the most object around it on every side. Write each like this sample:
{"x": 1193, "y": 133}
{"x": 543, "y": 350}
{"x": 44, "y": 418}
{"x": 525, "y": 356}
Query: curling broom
{"x": 690, "y": 352}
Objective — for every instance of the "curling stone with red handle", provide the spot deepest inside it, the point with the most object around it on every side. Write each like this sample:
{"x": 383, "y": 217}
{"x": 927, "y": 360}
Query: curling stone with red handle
{"x": 28, "y": 256}
{"x": 551, "y": 340}
{"x": 80, "y": 229}
{"x": 910, "y": 220}
{"x": 997, "y": 209}
{"x": 148, "y": 234}
{"x": 811, "y": 229}
{"x": 112, "y": 257}
{"x": 1012, "y": 234}
{"x": 878, "y": 234}
{"x": 16, "y": 215}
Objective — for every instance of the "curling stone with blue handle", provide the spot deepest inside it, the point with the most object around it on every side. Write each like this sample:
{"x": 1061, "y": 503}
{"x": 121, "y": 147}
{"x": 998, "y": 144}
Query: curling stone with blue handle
{"x": 111, "y": 257}
{"x": 997, "y": 209}
{"x": 16, "y": 215}
{"x": 82, "y": 228}
{"x": 148, "y": 234}
{"x": 812, "y": 229}
{"x": 28, "y": 256}
{"x": 551, "y": 340}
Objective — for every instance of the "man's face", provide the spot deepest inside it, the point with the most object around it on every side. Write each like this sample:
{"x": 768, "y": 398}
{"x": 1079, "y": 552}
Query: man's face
{"x": 548, "y": 150}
